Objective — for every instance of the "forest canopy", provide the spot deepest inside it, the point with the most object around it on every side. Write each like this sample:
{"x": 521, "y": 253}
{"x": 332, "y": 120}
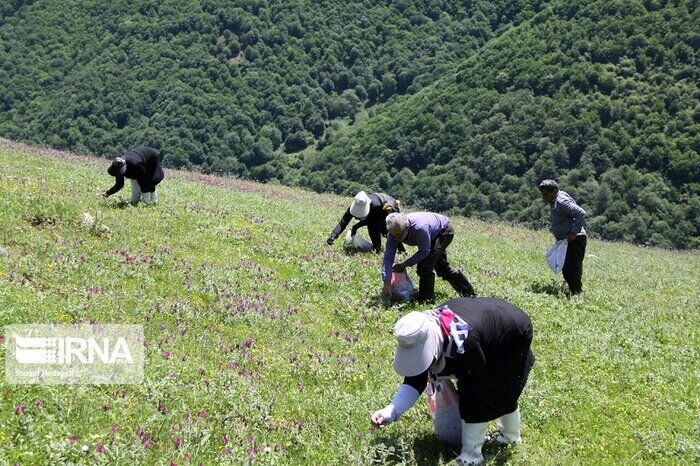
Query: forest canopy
{"x": 601, "y": 96}
{"x": 459, "y": 107}
{"x": 223, "y": 86}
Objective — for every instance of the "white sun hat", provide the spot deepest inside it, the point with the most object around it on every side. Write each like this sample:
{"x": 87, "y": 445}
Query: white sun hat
{"x": 417, "y": 344}
{"x": 360, "y": 206}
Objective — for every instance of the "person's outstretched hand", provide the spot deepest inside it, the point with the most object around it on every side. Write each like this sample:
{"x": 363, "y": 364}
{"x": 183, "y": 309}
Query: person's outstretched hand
{"x": 383, "y": 417}
{"x": 387, "y": 289}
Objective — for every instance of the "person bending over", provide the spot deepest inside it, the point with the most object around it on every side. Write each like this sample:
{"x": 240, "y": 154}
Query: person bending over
{"x": 432, "y": 233}
{"x": 482, "y": 342}
{"x": 143, "y": 167}
{"x": 371, "y": 210}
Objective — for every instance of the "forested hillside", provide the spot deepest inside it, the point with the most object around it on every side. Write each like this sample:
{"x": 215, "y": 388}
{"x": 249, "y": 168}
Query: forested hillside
{"x": 600, "y": 95}
{"x": 223, "y": 86}
{"x": 341, "y": 96}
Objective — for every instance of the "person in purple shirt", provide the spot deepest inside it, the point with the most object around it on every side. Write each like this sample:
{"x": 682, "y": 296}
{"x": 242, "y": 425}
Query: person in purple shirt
{"x": 432, "y": 233}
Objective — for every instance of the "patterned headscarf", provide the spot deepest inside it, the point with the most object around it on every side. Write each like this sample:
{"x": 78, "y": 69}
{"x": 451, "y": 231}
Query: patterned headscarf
{"x": 454, "y": 333}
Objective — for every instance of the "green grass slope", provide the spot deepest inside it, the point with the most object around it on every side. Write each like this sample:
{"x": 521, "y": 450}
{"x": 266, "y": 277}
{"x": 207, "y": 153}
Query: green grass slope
{"x": 601, "y": 95}
{"x": 266, "y": 344}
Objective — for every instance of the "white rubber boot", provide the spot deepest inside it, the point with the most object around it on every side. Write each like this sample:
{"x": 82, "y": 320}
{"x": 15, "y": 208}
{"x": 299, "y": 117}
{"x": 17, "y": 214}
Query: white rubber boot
{"x": 473, "y": 436}
{"x": 146, "y": 198}
{"x": 509, "y": 427}
{"x": 135, "y": 192}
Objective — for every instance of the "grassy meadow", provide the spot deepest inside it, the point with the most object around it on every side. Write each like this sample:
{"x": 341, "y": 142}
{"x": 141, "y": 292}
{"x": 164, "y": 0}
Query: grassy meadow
{"x": 266, "y": 346}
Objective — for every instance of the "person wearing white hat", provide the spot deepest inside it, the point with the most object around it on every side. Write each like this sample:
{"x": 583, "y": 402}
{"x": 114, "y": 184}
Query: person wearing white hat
{"x": 371, "y": 210}
{"x": 142, "y": 166}
{"x": 485, "y": 344}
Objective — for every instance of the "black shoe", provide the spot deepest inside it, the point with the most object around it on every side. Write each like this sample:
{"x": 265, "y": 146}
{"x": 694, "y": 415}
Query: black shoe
{"x": 462, "y": 286}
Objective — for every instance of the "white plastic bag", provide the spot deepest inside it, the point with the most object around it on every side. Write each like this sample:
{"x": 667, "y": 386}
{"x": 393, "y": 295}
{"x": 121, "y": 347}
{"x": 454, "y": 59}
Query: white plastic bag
{"x": 556, "y": 255}
{"x": 401, "y": 285}
{"x": 443, "y": 401}
{"x": 357, "y": 242}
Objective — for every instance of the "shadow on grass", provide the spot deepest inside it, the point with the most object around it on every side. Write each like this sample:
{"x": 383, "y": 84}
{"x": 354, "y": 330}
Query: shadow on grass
{"x": 428, "y": 451}
{"x": 379, "y": 300}
{"x": 350, "y": 251}
{"x": 122, "y": 204}
{"x": 423, "y": 450}
{"x": 382, "y": 301}
{"x": 497, "y": 454}
{"x": 552, "y": 288}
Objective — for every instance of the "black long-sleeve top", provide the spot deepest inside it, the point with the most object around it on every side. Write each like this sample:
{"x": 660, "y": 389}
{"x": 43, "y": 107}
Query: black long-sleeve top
{"x": 142, "y": 165}
{"x": 494, "y": 367}
{"x": 381, "y": 205}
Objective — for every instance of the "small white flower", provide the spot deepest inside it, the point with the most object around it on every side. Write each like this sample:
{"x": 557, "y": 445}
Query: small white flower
{"x": 87, "y": 221}
{"x": 84, "y": 448}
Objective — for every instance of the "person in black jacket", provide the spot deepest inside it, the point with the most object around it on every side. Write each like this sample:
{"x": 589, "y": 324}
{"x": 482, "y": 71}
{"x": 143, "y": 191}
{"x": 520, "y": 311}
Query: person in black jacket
{"x": 371, "y": 210}
{"x": 142, "y": 166}
{"x": 482, "y": 342}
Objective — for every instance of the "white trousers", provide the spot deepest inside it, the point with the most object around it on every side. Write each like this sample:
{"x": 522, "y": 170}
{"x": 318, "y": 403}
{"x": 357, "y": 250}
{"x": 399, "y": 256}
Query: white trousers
{"x": 136, "y": 194}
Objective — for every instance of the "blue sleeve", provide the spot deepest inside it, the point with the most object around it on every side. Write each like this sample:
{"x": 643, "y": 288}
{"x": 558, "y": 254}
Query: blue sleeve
{"x": 389, "y": 256}
{"x": 423, "y": 240}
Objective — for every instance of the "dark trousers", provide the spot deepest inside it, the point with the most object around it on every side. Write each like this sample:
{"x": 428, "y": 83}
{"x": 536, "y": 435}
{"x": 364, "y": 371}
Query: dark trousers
{"x": 437, "y": 261}
{"x": 573, "y": 264}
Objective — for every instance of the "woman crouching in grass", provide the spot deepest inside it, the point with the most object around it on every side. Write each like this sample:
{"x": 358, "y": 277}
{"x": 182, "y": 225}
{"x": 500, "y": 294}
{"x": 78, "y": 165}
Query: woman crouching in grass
{"x": 482, "y": 342}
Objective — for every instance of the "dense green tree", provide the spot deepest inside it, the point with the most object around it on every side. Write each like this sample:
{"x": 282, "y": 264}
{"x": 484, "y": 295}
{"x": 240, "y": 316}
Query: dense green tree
{"x": 599, "y": 95}
{"x": 469, "y": 103}
{"x": 297, "y": 141}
